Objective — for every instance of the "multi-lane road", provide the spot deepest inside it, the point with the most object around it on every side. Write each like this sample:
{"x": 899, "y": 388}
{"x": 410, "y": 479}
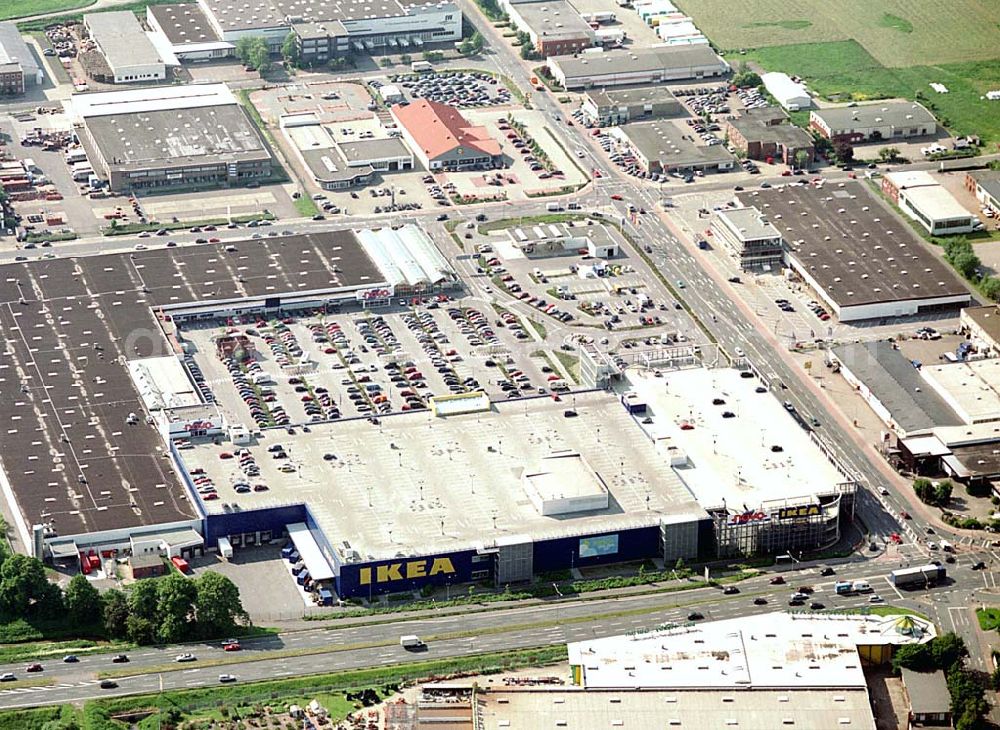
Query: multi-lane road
{"x": 462, "y": 634}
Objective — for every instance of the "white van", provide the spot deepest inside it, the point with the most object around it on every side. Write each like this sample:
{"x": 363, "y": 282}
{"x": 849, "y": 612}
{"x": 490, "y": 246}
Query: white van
{"x": 411, "y": 642}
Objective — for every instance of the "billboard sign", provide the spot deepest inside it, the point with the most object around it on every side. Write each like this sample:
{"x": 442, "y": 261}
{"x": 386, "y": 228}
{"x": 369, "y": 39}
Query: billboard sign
{"x": 800, "y": 512}
{"x": 747, "y": 517}
{"x": 593, "y": 547}
{"x": 374, "y": 294}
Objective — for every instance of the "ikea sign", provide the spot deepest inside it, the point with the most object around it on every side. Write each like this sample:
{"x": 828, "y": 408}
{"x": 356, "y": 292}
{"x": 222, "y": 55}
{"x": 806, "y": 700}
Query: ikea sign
{"x": 795, "y": 513}
{"x": 406, "y": 570}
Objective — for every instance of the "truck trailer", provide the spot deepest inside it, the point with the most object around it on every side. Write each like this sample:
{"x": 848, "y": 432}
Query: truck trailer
{"x": 923, "y": 575}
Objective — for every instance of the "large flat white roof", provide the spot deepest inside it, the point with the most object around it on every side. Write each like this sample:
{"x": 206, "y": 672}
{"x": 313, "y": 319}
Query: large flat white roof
{"x": 416, "y": 484}
{"x": 151, "y": 98}
{"x": 731, "y": 460}
{"x": 935, "y": 202}
{"x": 763, "y": 651}
{"x": 972, "y": 389}
{"x": 163, "y": 383}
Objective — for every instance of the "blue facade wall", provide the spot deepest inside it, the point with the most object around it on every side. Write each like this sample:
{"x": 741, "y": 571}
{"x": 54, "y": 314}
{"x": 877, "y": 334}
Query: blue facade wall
{"x": 235, "y": 523}
{"x": 564, "y": 552}
{"x": 406, "y": 574}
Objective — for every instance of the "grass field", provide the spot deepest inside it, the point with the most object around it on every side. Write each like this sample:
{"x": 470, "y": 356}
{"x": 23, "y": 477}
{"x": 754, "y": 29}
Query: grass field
{"x": 989, "y": 618}
{"x": 845, "y": 71}
{"x": 24, "y": 8}
{"x": 898, "y": 33}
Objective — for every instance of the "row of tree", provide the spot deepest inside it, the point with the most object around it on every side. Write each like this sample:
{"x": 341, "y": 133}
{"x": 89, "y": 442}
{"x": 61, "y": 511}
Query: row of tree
{"x": 170, "y": 609}
{"x": 164, "y": 611}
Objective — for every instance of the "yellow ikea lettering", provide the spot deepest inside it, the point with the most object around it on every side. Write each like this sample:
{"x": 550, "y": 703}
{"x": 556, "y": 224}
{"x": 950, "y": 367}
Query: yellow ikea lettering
{"x": 412, "y": 569}
{"x": 442, "y": 565}
{"x": 386, "y": 573}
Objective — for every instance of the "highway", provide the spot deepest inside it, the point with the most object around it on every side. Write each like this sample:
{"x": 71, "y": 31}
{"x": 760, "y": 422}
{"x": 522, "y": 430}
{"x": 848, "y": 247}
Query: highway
{"x": 540, "y": 624}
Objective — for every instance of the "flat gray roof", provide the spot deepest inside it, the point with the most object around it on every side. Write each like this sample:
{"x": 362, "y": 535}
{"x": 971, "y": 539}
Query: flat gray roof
{"x": 987, "y": 317}
{"x": 750, "y": 223}
{"x": 553, "y": 20}
{"x": 988, "y": 180}
{"x": 754, "y": 129}
{"x": 165, "y": 137}
{"x": 65, "y": 397}
{"x": 121, "y": 39}
{"x": 13, "y": 49}
{"x": 652, "y": 94}
{"x": 852, "y": 245}
{"x": 671, "y": 145}
{"x": 637, "y": 61}
{"x": 895, "y": 113}
{"x": 928, "y": 691}
{"x": 184, "y": 23}
{"x": 253, "y": 14}
{"x": 890, "y": 376}
{"x": 575, "y": 709}
{"x": 375, "y": 149}
{"x": 328, "y": 165}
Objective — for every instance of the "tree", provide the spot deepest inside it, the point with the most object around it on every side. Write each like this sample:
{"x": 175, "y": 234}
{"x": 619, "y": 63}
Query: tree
{"x": 290, "y": 49}
{"x": 844, "y": 151}
{"x": 176, "y": 597}
{"x": 947, "y": 650}
{"x": 990, "y": 287}
{"x": 433, "y": 56}
{"x": 115, "y": 614}
{"x": 140, "y": 630}
{"x": 244, "y": 46}
{"x": 942, "y": 492}
{"x": 917, "y": 657}
{"x": 218, "y": 608}
{"x": 680, "y": 566}
{"x": 25, "y": 589}
{"x": 967, "y": 264}
{"x": 83, "y": 601}
{"x": 260, "y": 55}
{"x": 888, "y": 154}
{"x": 745, "y": 77}
{"x": 802, "y": 158}
{"x": 405, "y": 59}
{"x": 924, "y": 490}
{"x": 472, "y": 45}
{"x": 142, "y": 600}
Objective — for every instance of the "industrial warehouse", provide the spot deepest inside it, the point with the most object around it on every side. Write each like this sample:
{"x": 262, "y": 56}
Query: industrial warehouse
{"x": 330, "y": 30}
{"x": 447, "y": 490}
{"x": 847, "y": 246}
{"x": 171, "y": 137}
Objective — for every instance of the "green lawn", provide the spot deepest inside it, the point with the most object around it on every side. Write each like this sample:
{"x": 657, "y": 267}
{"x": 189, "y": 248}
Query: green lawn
{"x": 989, "y": 618}
{"x": 899, "y": 33}
{"x": 844, "y": 70}
{"x": 12, "y": 9}
{"x": 306, "y": 206}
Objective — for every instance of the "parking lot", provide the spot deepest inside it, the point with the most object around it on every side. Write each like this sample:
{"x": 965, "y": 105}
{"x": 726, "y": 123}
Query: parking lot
{"x": 461, "y": 89}
{"x": 366, "y": 363}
